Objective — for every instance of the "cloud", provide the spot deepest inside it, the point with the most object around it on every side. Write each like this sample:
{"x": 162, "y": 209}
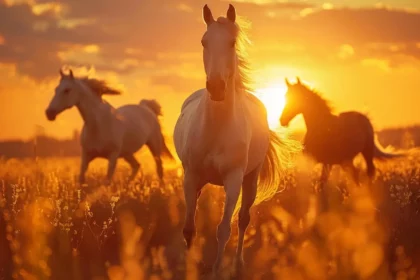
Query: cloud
{"x": 295, "y": 5}
{"x": 177, "y": 83}
{"x": 323, "y": 31}
{"x": 345, "y": 51}
{"x": 33, "y": 41}
{"x": 147, "y": 36}
{"x": 365, "y": 25}
{"x": 379, "y": 63}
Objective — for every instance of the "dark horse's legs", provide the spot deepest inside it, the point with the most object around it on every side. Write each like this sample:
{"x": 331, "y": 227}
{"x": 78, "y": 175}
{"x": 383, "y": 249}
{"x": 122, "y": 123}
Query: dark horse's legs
{"x": 326, "y": 169}
{"x": 350, "y": 168}
{"x": 368, "y": 156}
{"x": 134, "y": 164}
{"x": 156, "y": 151}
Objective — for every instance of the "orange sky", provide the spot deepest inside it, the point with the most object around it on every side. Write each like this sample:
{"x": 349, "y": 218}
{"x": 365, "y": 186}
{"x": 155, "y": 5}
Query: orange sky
{"x": 360, "y": 54}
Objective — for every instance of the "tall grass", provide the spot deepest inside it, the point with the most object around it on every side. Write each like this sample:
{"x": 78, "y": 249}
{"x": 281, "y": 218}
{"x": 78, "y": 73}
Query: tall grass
{"x": 52, "y": 229}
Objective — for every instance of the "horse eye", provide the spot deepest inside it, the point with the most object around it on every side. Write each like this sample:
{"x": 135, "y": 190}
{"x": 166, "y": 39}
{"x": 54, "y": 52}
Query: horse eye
{"x": 203, "y": 43}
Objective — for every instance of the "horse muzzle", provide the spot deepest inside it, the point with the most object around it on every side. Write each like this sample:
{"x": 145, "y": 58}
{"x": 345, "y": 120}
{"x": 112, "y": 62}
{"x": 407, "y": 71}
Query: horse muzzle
{"x": 284, "y": 122}
{"x": 217, "y": 89}
{"x": 51, "y": 114}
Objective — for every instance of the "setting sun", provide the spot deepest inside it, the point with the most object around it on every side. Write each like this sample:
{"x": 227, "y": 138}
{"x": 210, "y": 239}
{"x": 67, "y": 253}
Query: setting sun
{"x": 274, "y": 102}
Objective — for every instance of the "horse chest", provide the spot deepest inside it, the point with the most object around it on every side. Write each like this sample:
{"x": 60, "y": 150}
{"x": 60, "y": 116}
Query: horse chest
{"x": 224, "y": 156}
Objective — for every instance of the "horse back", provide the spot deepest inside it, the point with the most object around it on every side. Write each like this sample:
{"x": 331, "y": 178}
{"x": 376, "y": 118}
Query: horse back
{"x": 340, "y": 138}
{"x": 140, "y": 125}
{"x": 353, "y": 121}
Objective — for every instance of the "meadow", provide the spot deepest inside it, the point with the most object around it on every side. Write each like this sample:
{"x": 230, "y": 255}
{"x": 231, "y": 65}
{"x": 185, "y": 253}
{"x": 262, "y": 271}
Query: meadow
{"x": 52, "y": 229}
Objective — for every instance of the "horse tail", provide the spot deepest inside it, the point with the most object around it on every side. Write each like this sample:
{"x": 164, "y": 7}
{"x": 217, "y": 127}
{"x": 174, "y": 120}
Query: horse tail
{"x": 156, "y": 108}
{"x": 153, "y": 105}
{"x": 379, "y": 154}
{"x": 165, "y": 152}
{"x": 279, "y": 156}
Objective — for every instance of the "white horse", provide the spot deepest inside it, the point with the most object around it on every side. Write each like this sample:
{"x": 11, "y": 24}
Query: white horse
{"x": 222, "y": 135}
{"x": 108, "y": 132}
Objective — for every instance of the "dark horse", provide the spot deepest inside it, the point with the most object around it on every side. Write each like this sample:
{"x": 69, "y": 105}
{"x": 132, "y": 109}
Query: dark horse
{"x": 332, "y": 139}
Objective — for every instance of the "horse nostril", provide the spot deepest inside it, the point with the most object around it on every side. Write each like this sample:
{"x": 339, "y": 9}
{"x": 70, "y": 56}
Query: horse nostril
{"x": 222, "y": 85}
{"x": 50, "y": 113}
{"x": 283, "y": 122}
{"x": 217, "y": 85}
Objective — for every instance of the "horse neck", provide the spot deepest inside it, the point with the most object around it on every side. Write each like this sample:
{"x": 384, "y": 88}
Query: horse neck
{"x": 316, "y": 115}
{"x": 217, "y": 113}
{"x": 89, "y": 109}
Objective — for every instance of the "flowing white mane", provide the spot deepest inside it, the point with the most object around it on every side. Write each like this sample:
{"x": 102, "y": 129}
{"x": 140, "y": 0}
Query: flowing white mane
{"x": 99, "y": 87}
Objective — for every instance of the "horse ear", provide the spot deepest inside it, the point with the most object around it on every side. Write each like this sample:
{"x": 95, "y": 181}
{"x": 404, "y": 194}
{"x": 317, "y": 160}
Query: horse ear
{"x": 71, "y": 74}
{"x": 207, "y": 15}
{"x": 61, "y": 73}
{"x": 231, "y": 13}
{"x": 298, "y": 80}
{"x": 287, "y": 82}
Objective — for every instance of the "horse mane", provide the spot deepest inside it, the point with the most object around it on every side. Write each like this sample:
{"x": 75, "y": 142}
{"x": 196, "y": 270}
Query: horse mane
{"x": 316, "y": 98}
{"x": 241, "y": 26}
{"x": 100, "y": 87}
{"x": 153, "y": 105}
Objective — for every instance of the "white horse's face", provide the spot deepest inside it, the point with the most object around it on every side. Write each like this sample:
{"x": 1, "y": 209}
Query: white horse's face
{"x": 67, "y": 94}
{"x": 219, "y": 54}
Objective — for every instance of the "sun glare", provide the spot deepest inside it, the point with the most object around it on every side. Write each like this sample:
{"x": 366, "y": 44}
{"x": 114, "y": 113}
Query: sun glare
{"x": 273, "y": 98}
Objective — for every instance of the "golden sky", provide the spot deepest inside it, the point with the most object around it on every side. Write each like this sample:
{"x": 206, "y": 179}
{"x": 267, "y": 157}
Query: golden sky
{"x": 361, "y": 54}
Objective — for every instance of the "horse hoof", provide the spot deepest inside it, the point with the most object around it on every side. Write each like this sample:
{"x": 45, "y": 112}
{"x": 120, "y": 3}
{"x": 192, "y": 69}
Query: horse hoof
{"x": 216, "y": 272}
{"x": 239, "y": 266}
{"x": 203, "y": 268}
{"x": 238, "y": 272}
{"x": 215, "y": 276}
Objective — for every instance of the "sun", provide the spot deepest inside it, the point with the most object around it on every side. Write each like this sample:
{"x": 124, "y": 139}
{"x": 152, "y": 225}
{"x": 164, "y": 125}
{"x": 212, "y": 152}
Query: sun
{"x": 273, "y": 98}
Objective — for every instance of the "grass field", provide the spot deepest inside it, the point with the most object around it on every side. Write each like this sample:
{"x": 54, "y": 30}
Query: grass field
{"x": 50, "y": 229}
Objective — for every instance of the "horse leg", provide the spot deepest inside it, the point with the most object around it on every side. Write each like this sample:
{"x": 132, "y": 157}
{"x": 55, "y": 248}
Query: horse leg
{"x": 135, "y": 165}
{"x": 84, "y": 166}
{"x": 368, "y": 156}
{"x": 112, "y": 164}
{"x": 232, "y": 184}
{"x": 325, "y": 174}
{"x": 352, "y": 170}
{"x": 326, "y": 170}
{"x": 192, "y": 190}
{"x": 249, "y": 192}
{"x": 153, "y": 147}
{"x": 159, "y": 168}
